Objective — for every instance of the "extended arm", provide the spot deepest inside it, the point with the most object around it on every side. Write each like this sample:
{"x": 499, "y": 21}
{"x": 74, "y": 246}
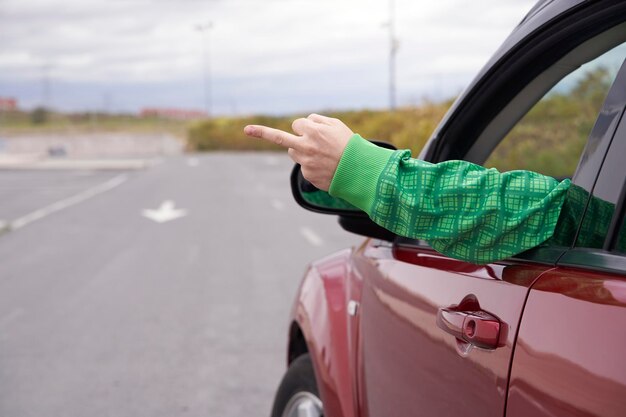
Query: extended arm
{"x": 463, "y": 210}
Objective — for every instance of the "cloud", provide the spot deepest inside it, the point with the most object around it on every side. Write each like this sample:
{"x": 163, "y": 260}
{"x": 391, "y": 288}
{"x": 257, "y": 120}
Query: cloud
{"x": 275, "y": 48}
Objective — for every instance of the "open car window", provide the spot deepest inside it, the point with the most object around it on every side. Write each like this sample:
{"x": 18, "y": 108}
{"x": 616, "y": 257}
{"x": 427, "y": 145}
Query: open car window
{"x": 551, "y": 137}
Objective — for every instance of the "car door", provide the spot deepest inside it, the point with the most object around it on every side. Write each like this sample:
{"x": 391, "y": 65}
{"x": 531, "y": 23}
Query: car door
{"x": 569, "y": 354}
{"x": 408, "y": 364}
{"x": 437, "y": 335}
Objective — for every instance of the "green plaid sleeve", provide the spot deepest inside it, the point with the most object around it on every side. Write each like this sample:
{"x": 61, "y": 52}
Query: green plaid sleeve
{"x": 596, "y": 215}
{"x": 463, "y": 210}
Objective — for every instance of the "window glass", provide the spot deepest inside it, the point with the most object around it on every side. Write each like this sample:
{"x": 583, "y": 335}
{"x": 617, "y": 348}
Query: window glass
{"x": 606, "y": 194}
{"x": 550, "y": 138}
{"x": 620, "y": 244}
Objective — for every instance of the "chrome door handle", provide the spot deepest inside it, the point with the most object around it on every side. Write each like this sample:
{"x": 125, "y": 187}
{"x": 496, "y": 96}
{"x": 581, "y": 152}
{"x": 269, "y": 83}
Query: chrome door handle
{"x": 477, "y": 328}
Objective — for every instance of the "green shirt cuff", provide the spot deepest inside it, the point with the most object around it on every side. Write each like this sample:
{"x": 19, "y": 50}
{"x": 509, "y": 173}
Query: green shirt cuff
{"x": 357, "y": 174}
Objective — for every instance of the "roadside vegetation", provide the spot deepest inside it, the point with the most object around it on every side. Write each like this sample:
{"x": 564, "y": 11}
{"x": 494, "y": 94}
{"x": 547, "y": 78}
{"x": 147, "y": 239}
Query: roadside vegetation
{"x": 42, "y": 121}
{"x": 549, "y": 139}
{"x": 407, "y": 128}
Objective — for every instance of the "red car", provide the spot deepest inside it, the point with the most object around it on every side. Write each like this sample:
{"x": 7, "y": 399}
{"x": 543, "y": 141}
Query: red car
{"x": 394, "y": 329}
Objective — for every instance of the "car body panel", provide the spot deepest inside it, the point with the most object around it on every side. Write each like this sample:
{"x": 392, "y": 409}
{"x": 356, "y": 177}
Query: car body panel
{"x": 405, "y": 359}
{"x": 320, "y": 312}
{"x": 569, "y": 357}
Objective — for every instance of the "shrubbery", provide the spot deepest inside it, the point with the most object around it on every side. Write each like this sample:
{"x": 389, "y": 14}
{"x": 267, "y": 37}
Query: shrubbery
{"x": 406, "y": 128}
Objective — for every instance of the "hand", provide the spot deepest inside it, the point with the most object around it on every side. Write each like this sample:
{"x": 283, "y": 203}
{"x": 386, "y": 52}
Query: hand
{"x": 317, "y": 145}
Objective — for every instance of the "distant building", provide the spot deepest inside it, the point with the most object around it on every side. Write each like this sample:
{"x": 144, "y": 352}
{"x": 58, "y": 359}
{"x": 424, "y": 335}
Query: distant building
{"x": 8, "y": 104}
{"x": 177, "y": 114}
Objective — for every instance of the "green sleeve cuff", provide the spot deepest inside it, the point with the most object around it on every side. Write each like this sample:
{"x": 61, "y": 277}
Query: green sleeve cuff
{"x": 357, "y": 174}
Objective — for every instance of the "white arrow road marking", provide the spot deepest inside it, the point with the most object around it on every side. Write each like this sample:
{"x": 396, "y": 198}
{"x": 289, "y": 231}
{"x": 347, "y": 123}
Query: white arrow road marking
{"x": 311, "y": 236}
{"x": 164, "y": 213}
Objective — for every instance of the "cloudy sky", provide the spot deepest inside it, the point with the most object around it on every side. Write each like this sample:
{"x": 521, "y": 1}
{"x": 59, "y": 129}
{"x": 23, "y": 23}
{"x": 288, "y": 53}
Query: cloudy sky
{"x": 266, "y": 56}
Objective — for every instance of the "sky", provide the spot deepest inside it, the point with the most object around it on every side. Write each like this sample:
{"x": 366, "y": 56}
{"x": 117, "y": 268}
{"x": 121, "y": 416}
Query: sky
{"x": 262, "y": 56}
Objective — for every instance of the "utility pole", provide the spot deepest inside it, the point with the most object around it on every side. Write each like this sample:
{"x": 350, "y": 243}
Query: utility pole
{"x": 206, "y": 69}
{"x": 393, "y": 49}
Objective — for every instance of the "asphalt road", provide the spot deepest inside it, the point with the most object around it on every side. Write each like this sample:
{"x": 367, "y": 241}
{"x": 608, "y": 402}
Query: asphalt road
{"x": 104, "y": 312}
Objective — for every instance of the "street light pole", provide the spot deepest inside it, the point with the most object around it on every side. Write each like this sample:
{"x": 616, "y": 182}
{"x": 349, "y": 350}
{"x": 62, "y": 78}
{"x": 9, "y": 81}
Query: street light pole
{"x": 206, "y": 69}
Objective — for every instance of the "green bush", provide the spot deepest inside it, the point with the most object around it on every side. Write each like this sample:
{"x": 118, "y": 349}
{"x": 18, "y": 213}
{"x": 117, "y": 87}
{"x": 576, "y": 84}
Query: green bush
{"x": 406, "y": 128}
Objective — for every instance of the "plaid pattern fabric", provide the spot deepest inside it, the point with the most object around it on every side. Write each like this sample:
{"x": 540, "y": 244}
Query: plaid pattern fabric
{"x": 569, "y": 220}
{"x": 595, "y": 223}
{"x": 597, "y": 220}
{"x": 466, "y": 211}
{"x": 323, "y": 199}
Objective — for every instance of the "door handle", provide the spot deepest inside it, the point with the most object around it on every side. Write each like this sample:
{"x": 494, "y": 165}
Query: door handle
{"x": 477, "y": 328}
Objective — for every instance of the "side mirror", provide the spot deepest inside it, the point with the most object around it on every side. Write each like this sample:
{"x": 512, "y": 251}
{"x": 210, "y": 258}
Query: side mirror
{"x": 351, "y": 218}
{"x": 312, "y": 198}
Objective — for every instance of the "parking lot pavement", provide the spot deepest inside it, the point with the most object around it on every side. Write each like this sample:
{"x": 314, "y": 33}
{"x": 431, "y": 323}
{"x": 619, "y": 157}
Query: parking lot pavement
{"x": 26, "y": 191}
{"x": 105, "y": 311}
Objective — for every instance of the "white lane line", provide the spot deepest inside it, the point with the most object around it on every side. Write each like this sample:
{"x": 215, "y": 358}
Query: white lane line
{"x": 13, "y": 315}
{"x": 193, "y": 162}
{"x": 278, "y": 205}
{"x": 68, "y": 202}
{"x": 311, "y": 236}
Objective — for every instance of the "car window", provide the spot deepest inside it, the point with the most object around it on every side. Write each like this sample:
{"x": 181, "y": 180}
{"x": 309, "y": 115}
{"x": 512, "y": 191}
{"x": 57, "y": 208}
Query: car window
{"x": 550, "y": 138}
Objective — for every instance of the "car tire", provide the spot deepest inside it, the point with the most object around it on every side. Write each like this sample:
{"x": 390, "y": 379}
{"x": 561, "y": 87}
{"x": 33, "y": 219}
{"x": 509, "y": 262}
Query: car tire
{"x": 298, "y": 391}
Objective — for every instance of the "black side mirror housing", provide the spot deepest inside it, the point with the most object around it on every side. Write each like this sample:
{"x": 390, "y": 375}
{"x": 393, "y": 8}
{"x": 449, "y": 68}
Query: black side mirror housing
{"x": 351, "y": 218}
